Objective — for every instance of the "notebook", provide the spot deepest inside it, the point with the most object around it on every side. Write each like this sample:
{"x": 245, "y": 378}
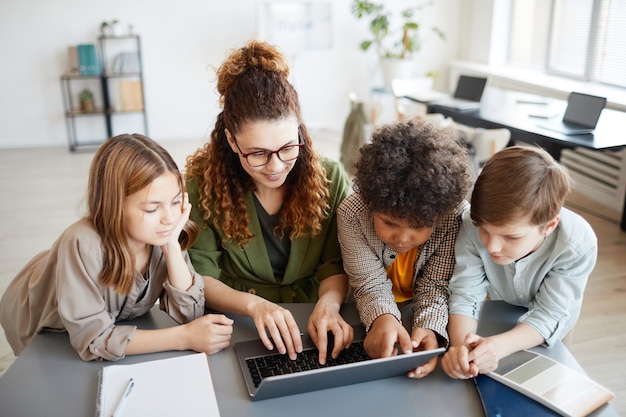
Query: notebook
{"x": 581, "y": 115}
{"x": 551, "y": 383}
{"x": 350, "y": 367}
{"x": 469, "y": 91}
{"x": 178, "y": 386}
{"x": 499, "y": 400}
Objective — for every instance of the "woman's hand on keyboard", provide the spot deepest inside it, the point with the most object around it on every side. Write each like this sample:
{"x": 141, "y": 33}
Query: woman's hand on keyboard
{"x": 325, "y": 318}
{"x": 276, "y": 327}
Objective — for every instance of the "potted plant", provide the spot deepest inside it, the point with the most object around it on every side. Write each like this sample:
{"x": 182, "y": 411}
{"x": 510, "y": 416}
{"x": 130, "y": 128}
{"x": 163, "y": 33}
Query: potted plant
{"x": 85, "y": 97}
{"x": 110, "y": 28}
{"x": 394, "y": 45}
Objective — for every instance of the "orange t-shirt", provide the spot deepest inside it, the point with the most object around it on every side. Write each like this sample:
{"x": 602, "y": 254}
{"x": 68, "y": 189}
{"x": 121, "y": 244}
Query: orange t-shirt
{"x": 401, "y": 274}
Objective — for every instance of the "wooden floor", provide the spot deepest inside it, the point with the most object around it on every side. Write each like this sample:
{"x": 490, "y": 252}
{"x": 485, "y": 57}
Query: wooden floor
{"x": 42, "y": 192}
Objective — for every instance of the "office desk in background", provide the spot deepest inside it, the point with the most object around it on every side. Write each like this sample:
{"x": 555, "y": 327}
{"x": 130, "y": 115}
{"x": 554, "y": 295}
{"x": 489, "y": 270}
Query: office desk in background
{"x": 49, "y": 379}
{"x": 509, "y": 109}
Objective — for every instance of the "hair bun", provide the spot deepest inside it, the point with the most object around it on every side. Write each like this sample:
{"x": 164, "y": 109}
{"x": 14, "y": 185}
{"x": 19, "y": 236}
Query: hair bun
{"x": 255, "y": 55}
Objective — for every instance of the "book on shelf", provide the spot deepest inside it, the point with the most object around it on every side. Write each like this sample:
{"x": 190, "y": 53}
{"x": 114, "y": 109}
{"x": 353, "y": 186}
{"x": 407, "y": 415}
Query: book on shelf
{"x": 561, "y": 389}
{"x": 129, "y": 96}
{"x": 126, "y": 62}
{"x": 178, "y": 386}
{"x": 73, "y": 61}
{"x": 88, "y": 59}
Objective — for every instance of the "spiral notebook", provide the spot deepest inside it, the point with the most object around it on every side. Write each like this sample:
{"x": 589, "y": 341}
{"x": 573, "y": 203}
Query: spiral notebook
{"x": 178, "y": 386}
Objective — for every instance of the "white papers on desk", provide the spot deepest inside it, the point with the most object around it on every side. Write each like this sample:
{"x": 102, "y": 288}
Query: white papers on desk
{"x": 179, "y": 386}
{"x": 429, "y": 96}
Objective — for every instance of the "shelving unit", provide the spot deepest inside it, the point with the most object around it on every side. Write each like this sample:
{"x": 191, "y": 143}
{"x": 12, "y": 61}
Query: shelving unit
{"x": 118, "y": 95}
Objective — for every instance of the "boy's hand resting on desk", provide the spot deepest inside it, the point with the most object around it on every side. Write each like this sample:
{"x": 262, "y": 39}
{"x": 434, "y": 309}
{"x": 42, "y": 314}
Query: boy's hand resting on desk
{"x": 476, "y": 356}
{"x": 326, "y": 318}
{"x": 386, "y": 333}
{"x": 280, "y": 325}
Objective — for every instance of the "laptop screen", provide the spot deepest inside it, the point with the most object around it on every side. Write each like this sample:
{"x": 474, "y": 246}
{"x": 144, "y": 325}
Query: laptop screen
{"x": 470, "y": 88}
{"x": 583, "y": 109}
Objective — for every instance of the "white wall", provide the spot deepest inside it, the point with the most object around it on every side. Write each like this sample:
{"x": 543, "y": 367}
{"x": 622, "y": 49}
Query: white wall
{"x": 181, "y": 40}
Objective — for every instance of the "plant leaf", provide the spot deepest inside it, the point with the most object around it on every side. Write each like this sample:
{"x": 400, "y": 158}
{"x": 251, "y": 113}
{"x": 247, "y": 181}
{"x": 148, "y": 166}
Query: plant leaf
{"x": 365, "y": 45}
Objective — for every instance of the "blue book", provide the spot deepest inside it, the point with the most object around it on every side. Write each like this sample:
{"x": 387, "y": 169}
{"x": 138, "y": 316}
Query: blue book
{"x": 88, "y": 60}
{"x": 502, "y": 401}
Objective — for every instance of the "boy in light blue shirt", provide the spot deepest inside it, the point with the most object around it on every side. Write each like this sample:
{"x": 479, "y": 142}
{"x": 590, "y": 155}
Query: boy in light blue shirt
{"x": 518, "y": 244}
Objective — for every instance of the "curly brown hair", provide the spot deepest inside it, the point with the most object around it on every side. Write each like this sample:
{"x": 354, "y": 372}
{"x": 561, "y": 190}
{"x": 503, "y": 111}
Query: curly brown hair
{"x": 253, "y": 87}
{"x": 413, "y": 171}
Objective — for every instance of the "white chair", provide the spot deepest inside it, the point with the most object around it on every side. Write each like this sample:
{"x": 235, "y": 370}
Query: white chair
{"x": 403, "y": 87}
{"x": 436, "y": 119}
{"x": 484, "y": 142}
{"x": 407, "y": 109}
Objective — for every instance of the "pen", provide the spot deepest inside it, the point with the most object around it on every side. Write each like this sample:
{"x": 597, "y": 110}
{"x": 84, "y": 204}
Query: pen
{"x": 120, "y": 405}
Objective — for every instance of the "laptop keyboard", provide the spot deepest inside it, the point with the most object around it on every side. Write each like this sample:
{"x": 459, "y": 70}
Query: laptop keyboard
{"x": 276, "y": 364}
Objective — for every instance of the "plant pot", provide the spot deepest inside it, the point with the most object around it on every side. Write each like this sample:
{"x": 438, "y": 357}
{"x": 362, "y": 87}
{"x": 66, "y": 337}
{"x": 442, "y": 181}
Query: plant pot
{"x": 86, "y": 106}
{"x": 118, "y": 30}
{"x": 396, "y": 68}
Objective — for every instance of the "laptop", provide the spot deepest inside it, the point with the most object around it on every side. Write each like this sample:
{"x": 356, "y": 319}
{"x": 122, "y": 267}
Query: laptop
{"x": 350, "y": 367}
{"x": 581, "y": 115}
{"x": 469, "y": 91}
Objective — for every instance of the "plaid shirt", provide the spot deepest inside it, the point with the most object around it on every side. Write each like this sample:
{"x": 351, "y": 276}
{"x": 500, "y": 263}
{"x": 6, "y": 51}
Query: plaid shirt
{"x": 366, "y": 257}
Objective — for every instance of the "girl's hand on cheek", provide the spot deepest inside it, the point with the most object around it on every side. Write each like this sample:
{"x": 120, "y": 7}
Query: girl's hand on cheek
{"x": 178, "y": 227}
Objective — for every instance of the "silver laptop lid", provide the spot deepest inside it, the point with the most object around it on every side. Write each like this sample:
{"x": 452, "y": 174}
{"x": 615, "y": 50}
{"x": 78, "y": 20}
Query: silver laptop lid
{"x": 328, "y": 377}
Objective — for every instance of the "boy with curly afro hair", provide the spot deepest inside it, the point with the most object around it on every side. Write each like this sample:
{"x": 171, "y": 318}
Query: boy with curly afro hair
{"x": 397, "y": 234}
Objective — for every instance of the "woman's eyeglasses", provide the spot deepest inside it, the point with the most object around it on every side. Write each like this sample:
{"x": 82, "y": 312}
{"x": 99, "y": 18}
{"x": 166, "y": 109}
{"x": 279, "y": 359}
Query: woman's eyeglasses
{"x": 257, "y": 159}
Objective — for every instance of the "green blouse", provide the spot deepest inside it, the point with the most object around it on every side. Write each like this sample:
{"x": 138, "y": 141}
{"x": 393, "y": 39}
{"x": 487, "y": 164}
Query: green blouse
{"x": 311, "y": 259}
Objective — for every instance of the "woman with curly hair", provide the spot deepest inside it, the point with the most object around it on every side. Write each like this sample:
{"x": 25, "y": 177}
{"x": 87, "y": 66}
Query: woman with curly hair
{"x": 397, "y": 235}
{"x": 266, "y": 204}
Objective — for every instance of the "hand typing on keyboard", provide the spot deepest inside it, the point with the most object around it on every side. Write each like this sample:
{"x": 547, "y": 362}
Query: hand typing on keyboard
{"x": 384, "y": 337}
{"x": 276, "y": 327}
{"x": 325, "y": 320}
{"x": 277, "y": 364}
{"x": 387, "y": 337}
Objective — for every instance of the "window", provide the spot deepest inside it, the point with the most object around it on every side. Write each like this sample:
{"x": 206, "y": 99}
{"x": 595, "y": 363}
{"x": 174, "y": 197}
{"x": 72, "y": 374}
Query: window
{"x": 579, "y": 39}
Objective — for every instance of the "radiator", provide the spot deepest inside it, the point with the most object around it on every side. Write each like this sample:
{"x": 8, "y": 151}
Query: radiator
{"x": 599, "y": 175}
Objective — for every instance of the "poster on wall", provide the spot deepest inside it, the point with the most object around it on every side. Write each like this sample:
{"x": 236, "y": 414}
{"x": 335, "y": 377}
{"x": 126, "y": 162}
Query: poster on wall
{"x": 295, "y": 27}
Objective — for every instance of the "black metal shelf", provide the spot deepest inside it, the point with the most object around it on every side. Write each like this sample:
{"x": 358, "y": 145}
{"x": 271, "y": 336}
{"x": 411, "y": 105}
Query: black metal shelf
{"x": 103, "y": 83}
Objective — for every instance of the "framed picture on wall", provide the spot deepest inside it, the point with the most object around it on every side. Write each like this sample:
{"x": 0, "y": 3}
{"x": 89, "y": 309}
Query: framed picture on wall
{"x": 295, "y": 27}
